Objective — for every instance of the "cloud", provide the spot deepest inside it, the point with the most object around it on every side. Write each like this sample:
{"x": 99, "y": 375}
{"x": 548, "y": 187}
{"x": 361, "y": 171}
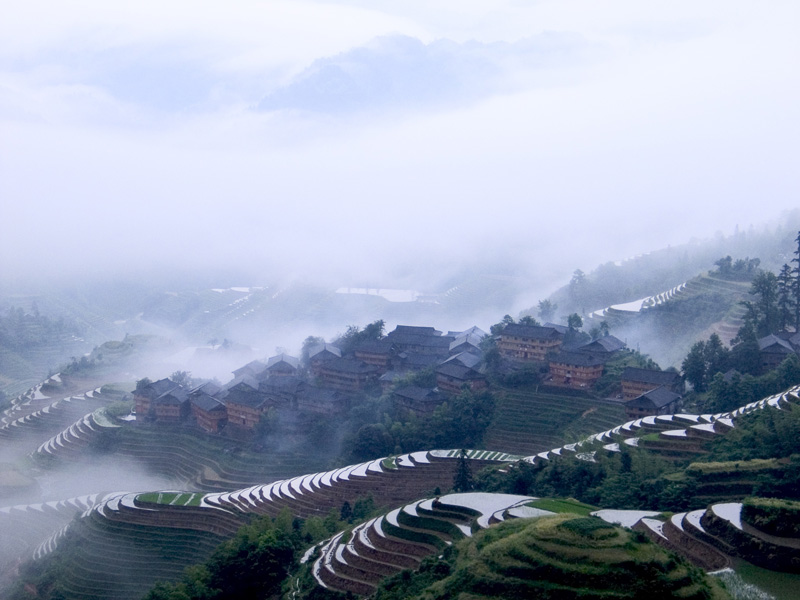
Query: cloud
{"x": 400, "y": 71}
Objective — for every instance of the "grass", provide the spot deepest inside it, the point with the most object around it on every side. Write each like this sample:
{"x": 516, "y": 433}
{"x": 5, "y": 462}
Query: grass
{"x": 567, "y": 556}
{"x": 709, "y": 468}
{"x": 558, "y": 505}
{"x": 528, "y": 420}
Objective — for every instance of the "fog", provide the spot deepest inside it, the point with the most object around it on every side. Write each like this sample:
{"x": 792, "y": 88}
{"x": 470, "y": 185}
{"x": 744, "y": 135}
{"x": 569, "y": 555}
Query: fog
{"x": 370, "y": 144}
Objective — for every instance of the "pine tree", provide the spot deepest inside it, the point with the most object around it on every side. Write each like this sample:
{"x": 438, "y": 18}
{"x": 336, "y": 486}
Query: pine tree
{"x": 796, "y": 284}
{"x": 785, "y": 297}
{"x": 462, "y": 482}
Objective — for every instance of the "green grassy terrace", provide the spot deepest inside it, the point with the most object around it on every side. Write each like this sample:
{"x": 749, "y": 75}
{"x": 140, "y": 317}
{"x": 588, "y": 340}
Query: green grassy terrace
{"x": 528, "y": 421}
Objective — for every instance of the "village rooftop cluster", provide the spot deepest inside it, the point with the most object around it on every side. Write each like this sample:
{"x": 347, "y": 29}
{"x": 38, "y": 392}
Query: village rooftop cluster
{"x": 325, "y": 382}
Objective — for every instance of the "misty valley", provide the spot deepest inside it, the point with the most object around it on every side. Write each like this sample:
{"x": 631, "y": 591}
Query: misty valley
{"x": 632, "y": 434}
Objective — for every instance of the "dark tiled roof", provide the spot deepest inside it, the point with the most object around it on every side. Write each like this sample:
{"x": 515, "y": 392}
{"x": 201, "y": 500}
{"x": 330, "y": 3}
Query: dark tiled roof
{"x": 416, "y": 393}
{"x": 346, "y": 365}
{"x": 658, "y": 398}
{"x": 283, "y": 358}
{"x": 209, "y": 387}
{"x": 458, "y": 371}
{"x": 245, "y": 397}
{"x": 315, "y": 395}
{"x": 474, "y": 331}
{"x": 243, "y": 380}
{"x": 532, "y": 332}
{"x": 441, "y": 342}
{"x": 607, "y": 344}
{"x": 176, "y": 395}
{"x": 253, "y": 368}
{"x": 559, "y": 328}
{"x": 774, "y": 344}
{"x": 324, "y": 352}
{"x": 650, "y": 376}
{"x": 468, "y": 359}
{"x": 578, "y": 359}
{"x": 382, "y": 346}
{"x": 466, "y": 340}
{"x": 281, "y": 385}
{"x": 414, "y": 330}
{"x": 207, "y": 403}
{"x": 157, "y": 388}
{"x": 415, "y": 360}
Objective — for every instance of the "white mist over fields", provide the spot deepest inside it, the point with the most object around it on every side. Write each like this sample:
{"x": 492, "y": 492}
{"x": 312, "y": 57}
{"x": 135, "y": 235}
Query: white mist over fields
{"x": 370, "y": 144}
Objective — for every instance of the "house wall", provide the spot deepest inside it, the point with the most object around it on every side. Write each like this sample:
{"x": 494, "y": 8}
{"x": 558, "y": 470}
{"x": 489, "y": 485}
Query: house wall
{"x": 634, "y": 389}
{"x": 169, "y": 413}
{"x": 526, "y": 349}
{"x": 243, "y": 416}
{"x": 575, "y": 376}
{"x": 348, "y": 382}
{"x": 382, "y": 361}
{"x": 453, "y": 386}
{"x": 142, "y": 407}
{"x": 637, "y": 412}
{"x": 208, "y": 421}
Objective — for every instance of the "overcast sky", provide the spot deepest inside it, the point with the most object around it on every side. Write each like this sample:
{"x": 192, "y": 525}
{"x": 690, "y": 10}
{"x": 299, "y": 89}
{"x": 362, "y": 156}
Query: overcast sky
{"x": 359, "y": 140}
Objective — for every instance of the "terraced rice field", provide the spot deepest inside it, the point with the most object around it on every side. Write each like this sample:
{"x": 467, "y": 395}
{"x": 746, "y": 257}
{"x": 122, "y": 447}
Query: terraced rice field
{"x": 528, "y": 422}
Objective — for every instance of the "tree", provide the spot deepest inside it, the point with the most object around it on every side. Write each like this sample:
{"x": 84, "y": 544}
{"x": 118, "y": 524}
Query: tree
{"x": 308, "y": 344}
{"x": 724, "y": 265}
{"x": 547, "y": 310}
{"x": 796, "y": 284}
{"x": 716, "y": 357}
{"x": 354, "y": 336}
{"x": 765, "y": 288}
{"x": 694, "y": 366}
{"x": 142, "y": 383}
{"x": 577, "y": 289}
{"x": 462, "y": 482}
{"x": 346, "y": 512}
{"x": 498, "y": 328}
{"x": 528, "y": 320}
{"x": 785, "y": 297}
{"x": 183, "y": 378}
{"x": 745, "y": 356}
{"x": 574, "y": 321}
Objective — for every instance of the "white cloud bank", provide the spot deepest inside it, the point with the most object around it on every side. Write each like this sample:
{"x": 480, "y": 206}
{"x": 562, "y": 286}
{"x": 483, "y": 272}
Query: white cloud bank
{"x": 389, "y": 138}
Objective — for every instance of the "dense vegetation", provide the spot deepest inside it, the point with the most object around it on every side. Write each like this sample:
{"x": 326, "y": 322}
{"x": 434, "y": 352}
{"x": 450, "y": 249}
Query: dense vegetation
{"x": 251, "y": 566}
{"x": 565, "y": 556}
{"x": 636, "y": 479}
{"x": 459, "y": 422}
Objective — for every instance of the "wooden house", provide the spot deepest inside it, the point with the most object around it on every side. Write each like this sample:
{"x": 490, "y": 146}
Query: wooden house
{"x": 452, "y": 377}
{"x": 774, "y": 349}
{"x": 319, "y": 400}
{"x": 576, "y": 370}
{"x": 254, "y": 369}
{"x": 420, "y": 340}
{"x": 604, "y": 346}
{"x": 421, "y": 401}
{"x": 660, "y": 401}
{"x": 636, "y": 381}
{"x": 348, "y": 375}
{"x": 172, "y": 406}
{"x": 143, "y": 397}
{"x": 246, "y": 406}
{"x": 320, "y": 354}
{"x": 378, "y": 353}
{"x": 209, "y": 413}
{"x": 282, "y": 365}
{"x": 529, "y": 343}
